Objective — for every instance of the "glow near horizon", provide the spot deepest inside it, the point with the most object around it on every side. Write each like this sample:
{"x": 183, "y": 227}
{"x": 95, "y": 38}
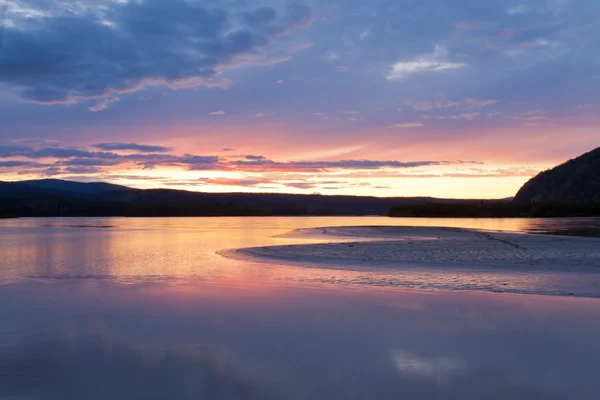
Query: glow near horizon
{"x": 511, "y": 90}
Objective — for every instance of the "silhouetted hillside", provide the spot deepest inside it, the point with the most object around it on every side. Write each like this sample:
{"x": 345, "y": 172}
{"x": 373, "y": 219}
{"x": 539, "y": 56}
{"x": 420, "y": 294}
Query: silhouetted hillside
{"x": 577, "y": 180}
{"x": 64, "y": 198}
{"x": 74, "y": 187}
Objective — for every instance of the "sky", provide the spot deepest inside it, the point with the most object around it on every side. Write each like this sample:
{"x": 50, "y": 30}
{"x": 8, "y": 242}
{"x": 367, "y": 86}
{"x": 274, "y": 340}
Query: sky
{"x": 461, "y": 99}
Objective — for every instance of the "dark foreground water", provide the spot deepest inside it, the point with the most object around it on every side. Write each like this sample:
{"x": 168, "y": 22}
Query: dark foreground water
{"x": 145, "y": 309}
{"x": 100, "y": 340}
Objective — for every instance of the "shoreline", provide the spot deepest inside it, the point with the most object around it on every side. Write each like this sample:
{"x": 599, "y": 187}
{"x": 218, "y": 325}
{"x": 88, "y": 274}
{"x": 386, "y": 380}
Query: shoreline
{"x": 441, "y": 258}
{"x": 403, "y": 247}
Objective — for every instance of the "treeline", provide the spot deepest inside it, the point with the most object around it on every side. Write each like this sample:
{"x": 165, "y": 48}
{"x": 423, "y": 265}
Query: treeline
{"x": 52, "y": 198}
{"x": 69, "y": 208}
{"x": 498, "y": 209}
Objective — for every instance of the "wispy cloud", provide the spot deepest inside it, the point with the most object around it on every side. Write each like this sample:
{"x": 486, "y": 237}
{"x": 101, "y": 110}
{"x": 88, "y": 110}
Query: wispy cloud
{"x": 112, "y": 146}
{"x": 220, "y": 112}
{"x": 62, "y": 160}
{"x": 434, "y": 62}
{"x": 531, "y": 115}
{"x": 102, "y": 104}
{"x": 467, "y": 26}
{"x": 467, "y": 116}
{"x": 475, "y": 103}
{"x": 430, "y": 105}
{"x": 441, "y": 103}
{"x": 407, "y": 125}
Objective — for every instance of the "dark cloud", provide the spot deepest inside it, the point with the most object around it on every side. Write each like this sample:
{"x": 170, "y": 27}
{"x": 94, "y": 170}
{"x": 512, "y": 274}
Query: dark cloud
{"x": 343, "y": 164}
{"x": 63, "y": 58}
{"x": 14, "y": 151}
{"x": 81, "y": 160}
{"x": 13, "y": 164}
{"x": 255, "y": 158}
{"x": 90, "y": 162}
{"x": 115, "y": 146}
{"x": 58, "y": 152}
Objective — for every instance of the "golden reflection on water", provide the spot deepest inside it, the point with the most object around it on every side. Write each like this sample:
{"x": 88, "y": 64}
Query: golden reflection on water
{"x": 163, "y": 248}
{"x": 246, "y": 330}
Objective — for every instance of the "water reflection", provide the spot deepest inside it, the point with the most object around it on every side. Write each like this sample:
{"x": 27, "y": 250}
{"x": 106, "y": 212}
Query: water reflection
{"x": 164, "y": 249}
{"x": 100, "y": 340}
{"x": 63, "y": 368}
{"x": 183, "y": 246}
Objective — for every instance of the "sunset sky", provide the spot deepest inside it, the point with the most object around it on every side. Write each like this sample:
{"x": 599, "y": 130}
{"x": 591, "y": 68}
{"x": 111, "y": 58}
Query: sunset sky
{"x": 460, "y": 99}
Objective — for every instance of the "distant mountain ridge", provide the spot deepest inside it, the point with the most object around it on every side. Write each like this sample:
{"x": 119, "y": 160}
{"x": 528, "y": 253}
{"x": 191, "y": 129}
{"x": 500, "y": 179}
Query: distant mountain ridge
{"x": 577, "y": 180}
{"x": 53, "y": 197}
{"x": 71, "y": 186}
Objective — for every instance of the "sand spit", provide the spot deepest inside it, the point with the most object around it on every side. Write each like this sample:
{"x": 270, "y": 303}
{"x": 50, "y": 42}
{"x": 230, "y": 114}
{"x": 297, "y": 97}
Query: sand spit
{"x": 401, "y": 247}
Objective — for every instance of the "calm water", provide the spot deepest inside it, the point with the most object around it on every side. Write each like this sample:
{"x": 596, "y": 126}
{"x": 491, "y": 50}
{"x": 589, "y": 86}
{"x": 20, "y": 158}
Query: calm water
{"x": 167, "y": 249}
{"x": 145, "y": 309}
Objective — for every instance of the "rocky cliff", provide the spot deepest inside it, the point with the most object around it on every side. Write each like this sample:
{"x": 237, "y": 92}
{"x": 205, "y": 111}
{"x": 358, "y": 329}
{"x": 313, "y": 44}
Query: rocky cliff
{"x": 577, "y": 180}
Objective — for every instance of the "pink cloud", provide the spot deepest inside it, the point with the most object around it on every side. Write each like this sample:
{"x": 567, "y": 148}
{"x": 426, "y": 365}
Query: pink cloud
{"x": 466, "y": 26}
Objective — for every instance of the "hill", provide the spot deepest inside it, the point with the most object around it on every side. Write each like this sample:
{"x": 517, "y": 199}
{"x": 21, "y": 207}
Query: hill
{"x": 73, "y": 187}
{"x": 53, "y": 197}
{"x": 577, "y": 180}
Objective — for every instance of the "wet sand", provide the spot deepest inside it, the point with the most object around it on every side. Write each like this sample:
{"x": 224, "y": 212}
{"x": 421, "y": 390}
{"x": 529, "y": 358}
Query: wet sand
{"x": 397, "y": 247}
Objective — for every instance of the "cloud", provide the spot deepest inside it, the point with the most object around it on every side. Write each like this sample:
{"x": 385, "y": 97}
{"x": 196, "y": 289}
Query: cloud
{"x": 300, "y": 47}
{"x": 220, "y": 112}
{"x": 441, "y": 103}
{"x": 467, "y": 116}
{"x": 194, "y": 162}
{"x": 104, "y": 50}
{"x": 279, "y": 82}
{"x": 82, "y": 170}
{"x": 265, "y": 164}
{"x": 113, "y": 146}
{"x": 14, "y": 164}
{"x": 66, "y": 160}
{"x": 475, "y": 103}
{"x": 531, "y": 115}
{"x": 427, "y": 63}
{"x": 518, "y": 9}
{"x": 102, "y": 104}
{"x": 37, "y": 141}
{"x": 408, "y": 125}
{"x": 14, "y": 151}
{"x": 430, "y": 105}
{"x": 67, "y": 156}
{"x": 466, "y": 26}
{"x": 253, "y": 157}
{"x": 81, "y": 162}
{"x": 300, "y": 185}
{"x": 235, "y": 181}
